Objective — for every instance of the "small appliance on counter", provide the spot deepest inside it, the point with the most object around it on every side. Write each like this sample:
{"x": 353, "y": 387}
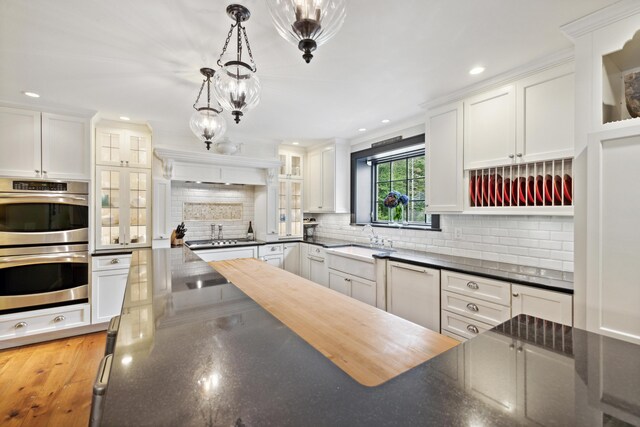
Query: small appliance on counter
{"x": 309, "y": 225}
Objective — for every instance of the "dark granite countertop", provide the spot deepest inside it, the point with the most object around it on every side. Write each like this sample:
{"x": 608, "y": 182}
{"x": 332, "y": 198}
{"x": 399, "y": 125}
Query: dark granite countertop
{"x": 193, "y": 350}
{"x": 529, "y": 276}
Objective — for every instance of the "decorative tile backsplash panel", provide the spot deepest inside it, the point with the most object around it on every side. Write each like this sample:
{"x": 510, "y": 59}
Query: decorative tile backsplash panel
{"x": 212, "y": 211}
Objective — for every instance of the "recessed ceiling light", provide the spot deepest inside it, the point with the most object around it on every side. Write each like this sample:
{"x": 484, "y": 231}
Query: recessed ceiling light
{"x": 362, "y": 129}
{"x": 386, "y": 121}
{"x": 125, "y": 118}
{"x": 295, "y": 143}
{"x": 476, "y": 70}
{"x": 31, "y": 94}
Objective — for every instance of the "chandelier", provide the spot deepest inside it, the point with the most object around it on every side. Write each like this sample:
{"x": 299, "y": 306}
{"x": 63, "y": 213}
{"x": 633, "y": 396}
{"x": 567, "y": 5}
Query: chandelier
{"x": 235, "y": 85}
{"x": 307, "y": 23}
{"x": 206, "y": 122}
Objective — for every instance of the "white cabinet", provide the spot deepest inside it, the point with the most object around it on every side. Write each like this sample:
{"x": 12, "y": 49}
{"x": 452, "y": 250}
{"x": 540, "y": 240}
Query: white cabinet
{"x": 272, "y": 254}
{"x": 318, "y": 268}
{"x": 613, "y": 235}
{"x": 546, "y": 115}
{"x": 327, "y": 179}
{"x": 290, "y": 208}
{"x": 292, "y": 164}
{"x": 353, "y": 286}
{"x": 292, "y": 257}
{"x": 444, "y": 144}
{"x": 304, "y": 260}
{"x": 123, "y": 214}
{"x": 490, "y": 128}
{"x": 528, "y": 121}
{"x": 161, "y": 212}
{"x": 548, "y": 305}
{"x": 108, "y": 283}
{"x": 123, "y": 147}
{"x": 43, "y": 145}
{"x": 413, "y": 293}
{"x": 209, "y": 255}
{"x": 34, "y": 322}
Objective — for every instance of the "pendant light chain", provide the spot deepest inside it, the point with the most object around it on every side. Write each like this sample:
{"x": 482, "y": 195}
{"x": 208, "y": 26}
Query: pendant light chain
{"x": 246, "y": 39}
{"x": 199, "y": 94}
{"x": 226, "y": 43}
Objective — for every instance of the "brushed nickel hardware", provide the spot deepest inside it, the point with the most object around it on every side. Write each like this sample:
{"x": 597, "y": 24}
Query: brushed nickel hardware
{"x": 471, "y": 306}
{"x": 58, "y": 319}
{"x": 511, "y": 156}
{"x": 519, "y": 349}
{"x": 472, "y": 285}
{"x": 472, "y": 329}
{"x": 417, "y": 270}
{"x": 511, "y": 346}
{"x": 519, "y": 154}
{"x": 516, "y": 295}
{"x": 20, "y": 325}
{"x": 115, "y": 261}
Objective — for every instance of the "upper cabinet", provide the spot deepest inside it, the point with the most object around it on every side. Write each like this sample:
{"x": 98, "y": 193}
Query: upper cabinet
{"x": 327, "y": 179}
{"x": 43, "y": 145}
{"x": 530, "y": 120}
{"x": 444, "y": 181}
{"x": 490, "y": 128}
{"x": 123, "y": 147}
{"x": 291, "y": 164}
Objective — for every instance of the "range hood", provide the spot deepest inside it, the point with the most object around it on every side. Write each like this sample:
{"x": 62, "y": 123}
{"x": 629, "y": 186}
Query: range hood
{"x": 180, "y": 165}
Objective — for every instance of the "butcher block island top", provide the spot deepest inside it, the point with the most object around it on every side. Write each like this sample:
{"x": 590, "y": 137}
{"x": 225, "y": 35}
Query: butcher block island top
{"x": 369, "y": 344}
{"x": 194, "y": 349}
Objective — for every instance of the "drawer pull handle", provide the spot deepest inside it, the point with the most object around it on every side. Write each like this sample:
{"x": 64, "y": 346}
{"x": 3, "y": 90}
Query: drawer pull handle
{"x": 273, "y": 248}
{"x": 516, "y": 295}
{"x": 58, "y": 319}
{"x": 472, "y": 329}
{"x": 472, "y": 285}
{"x": 20, "y": 325}
{"x": 471, "y": 306}
{"x": 115, "y": 261}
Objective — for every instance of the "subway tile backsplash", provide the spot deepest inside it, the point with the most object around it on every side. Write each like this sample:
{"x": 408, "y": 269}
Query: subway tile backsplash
{"x": 183, "y": 192}
{"x": 533, "y": 241}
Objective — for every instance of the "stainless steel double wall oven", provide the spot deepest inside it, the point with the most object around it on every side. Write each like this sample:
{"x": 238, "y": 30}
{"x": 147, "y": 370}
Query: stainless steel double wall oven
{"x": 44, "y": 234}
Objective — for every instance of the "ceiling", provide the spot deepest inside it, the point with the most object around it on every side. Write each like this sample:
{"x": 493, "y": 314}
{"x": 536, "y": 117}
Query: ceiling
{"x": 141, "y": 59}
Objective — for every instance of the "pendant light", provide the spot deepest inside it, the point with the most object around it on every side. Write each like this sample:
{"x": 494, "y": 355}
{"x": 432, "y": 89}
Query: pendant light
{"x": 307, "y": 23}
{"x": 235, "y": 85}
{"x": 206, "y": 122}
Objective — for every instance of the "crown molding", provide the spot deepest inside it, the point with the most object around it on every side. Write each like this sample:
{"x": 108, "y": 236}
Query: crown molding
{"x": 600, "y": 18}
{"x": 197, "y": 157}
{"x": 565, "y": 56}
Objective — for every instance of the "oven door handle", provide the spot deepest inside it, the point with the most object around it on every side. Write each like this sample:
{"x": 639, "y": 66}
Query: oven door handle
{"x": 20, "y": 260}
{"x": 10, "y": 199}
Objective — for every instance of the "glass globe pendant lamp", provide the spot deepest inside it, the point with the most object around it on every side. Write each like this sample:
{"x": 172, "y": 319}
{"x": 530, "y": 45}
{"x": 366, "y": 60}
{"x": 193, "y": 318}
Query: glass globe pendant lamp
{"x": 307, "y": 23}
{"x": 206, "y": 122}
{"x": 236, "y": 85}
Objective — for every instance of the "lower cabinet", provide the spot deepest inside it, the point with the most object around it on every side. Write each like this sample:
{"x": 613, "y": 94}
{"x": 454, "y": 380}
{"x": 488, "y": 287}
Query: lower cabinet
{"x": 108, "y": 283}
{"x": 209, "y": 255}
{"x": 304, "y": 259}
{"x": 554, "y": 306}
{"x": 272, "y": 254}
{"x": 24, "y": 324}
{"x": 318, "y": 269}
{"x": 356, "y": 287}
{"x": 413, "y": 293}
{"x": 292, "y": 257}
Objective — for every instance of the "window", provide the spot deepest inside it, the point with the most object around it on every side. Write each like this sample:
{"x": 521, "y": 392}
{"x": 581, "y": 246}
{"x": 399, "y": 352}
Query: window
{"x": 406, "y": 176}
{"x": 398, "y": 165}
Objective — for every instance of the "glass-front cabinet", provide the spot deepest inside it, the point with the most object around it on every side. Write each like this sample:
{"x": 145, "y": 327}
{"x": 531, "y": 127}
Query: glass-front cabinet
{"x": 290, "y": 208}
{"x": 125, "y": 148}
{"x": 291, "y": 164}
{"x": 123, "y": 207}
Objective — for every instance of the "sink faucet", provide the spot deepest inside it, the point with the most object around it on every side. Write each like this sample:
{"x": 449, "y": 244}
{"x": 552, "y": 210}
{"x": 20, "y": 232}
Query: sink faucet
{"x": 374, "y": 240}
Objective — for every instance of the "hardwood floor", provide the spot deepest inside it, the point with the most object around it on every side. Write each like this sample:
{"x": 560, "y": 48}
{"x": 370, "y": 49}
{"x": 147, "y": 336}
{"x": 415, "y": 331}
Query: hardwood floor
{"x": 50, "y": 384}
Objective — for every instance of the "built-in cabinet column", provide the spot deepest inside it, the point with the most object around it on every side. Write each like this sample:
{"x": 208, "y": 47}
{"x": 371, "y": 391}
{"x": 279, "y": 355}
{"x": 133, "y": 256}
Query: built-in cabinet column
{"x": 327, "y": 179}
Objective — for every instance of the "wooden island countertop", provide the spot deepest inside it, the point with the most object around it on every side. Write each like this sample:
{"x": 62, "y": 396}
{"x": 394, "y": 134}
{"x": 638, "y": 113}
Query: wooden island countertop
{"x": 369, "y": 344}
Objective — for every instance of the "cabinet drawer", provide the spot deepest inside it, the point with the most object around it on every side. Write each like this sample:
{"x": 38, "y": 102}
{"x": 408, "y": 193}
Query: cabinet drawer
{"x": 110, "y": 262}
{"x": 363, "y": 269}
{"x": 463, "y": 326}
{"x": 41, "y": 321}
{"x": 478, "y": 287}
{"x": 317, "y": 251}
{"x": 483, "y": 311}
{"x": 271, "y": 250}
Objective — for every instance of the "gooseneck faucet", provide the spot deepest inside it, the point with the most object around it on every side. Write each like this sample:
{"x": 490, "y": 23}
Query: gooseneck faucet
{"x": 374, "y": 240}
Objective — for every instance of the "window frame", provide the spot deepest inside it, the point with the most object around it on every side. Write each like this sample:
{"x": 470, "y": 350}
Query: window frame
{"x": 362, "y": 193}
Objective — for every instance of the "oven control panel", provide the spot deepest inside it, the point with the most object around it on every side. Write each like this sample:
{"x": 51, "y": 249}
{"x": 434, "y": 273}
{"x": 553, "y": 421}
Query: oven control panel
{"x": 39, "y": 186}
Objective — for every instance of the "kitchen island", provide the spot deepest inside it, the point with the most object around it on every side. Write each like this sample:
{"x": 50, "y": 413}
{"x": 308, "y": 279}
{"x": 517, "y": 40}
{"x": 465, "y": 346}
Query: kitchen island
{"x": 193, "y": 349}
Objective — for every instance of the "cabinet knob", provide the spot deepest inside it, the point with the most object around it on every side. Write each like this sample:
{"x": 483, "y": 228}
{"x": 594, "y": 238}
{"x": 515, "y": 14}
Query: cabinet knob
{"x": 516, "y": 295}
{"x": 519, "y": 154}
{"x": 519, "y": 349}
{"x": 127, "y": 162}
{"x": 319, "y": 207}
{"x": 58, "y": 319}
{"x": 347, "y": 280}
{"x": 115, "y": 261}
{"x": 121, "y": 162}
{"x": 20, "y": 325}
{"x": 44, "y": 172}
{"x": 471, "y": 306}
{"x": 511, "y": 156}
{"x": 472, "y": 285}
{"x": 511, "y": 346}
{"x": 473, "y": 329}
